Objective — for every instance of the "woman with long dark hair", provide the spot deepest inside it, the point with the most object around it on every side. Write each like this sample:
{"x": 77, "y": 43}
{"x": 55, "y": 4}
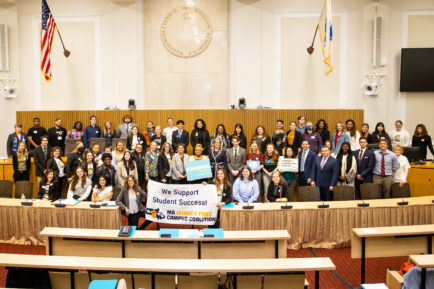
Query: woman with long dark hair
{"x": 380, "y": 133}
{"x": 220, "y": 132}
{"x": 261, "y": 137}
{"x": 126, "y": 167}
{"x": 239, "y": 132}
{"x": 80, "y": 186}
{"x": 422, "y": 140}
{"x": 279, "y": 137}
{"x": 347, "y": 166}
{"x": 322, "y": 128}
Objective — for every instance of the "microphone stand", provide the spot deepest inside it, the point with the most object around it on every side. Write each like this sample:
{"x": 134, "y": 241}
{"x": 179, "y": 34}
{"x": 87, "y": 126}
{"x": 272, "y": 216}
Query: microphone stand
{"x": 403, "y": 203}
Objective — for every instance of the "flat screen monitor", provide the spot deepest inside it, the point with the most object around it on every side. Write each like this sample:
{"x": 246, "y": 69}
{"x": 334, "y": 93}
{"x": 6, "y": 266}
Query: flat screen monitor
{"x": 417, "y": 69}
{"x": 412, "y": 153}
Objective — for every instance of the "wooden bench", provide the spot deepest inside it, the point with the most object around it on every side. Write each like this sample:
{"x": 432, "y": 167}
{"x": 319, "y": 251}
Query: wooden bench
{"x": 148, "y": 244}
{"x": 389, "y": 242}
{"x": 230, "y": 267}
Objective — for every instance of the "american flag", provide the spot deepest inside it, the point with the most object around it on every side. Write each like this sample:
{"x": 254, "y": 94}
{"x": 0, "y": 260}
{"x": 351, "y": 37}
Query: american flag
{"x": 47, "y": 31}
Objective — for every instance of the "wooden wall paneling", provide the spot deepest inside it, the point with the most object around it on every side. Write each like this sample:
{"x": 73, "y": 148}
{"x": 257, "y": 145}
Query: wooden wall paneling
{"x": 250, "y": 118}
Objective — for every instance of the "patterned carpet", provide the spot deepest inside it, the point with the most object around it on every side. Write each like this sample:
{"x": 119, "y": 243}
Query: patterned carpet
{"x": 347, "y": 274}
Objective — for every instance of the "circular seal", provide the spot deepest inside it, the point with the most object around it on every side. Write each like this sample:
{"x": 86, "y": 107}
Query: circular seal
{"x": 186, "y": 31}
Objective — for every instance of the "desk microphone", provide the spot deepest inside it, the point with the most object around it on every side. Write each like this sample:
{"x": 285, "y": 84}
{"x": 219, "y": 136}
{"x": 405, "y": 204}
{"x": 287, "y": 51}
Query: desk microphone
{"x": 286, "y": 206}
{"x": 323, "y": 206}
{"x": 59, "y": 204}
{"x": 248, "y": 207}
{"x": 403, "y": 203}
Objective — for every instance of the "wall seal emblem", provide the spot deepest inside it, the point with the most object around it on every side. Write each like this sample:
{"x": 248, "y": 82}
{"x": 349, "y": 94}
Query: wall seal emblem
{"x": 186, "y": 31}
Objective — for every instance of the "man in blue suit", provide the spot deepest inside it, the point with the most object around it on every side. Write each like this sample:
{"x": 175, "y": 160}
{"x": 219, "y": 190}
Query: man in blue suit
{"x": 325, "y": 174}
{"x": 365, "y": 164}
{"x": 306, "y": 161}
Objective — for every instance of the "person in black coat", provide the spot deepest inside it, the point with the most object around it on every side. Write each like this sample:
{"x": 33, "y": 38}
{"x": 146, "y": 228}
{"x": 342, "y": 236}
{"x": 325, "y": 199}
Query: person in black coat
{"x": 306, "y": 163}
{"x": 131, "y": 142}
{"x": 56, "y": 164}
{"x": 180, "y": 135}
{"x": 139, "y": 157}
{"x": 57, "y": 135}
{"x": 278, "y": 189}
{"x": 49, "y": 187}
{"x": 200, "y": 135}
{"x": 15, "y": 138}
{"x": 293, "y": 138}
{"x": 21, "y": 163}
{"x": 365, "y": 162}
{"x": 74, "y": 159}
{"x": 41, "y": 155}
{"x": 321, "y": 127}
{"x": 164, "y": 161}
{"x": 224, "y": 192}
{"x": 107, "y": 170}
{"x": 239, "y": 132}
{"x": 158, "y": 137}
{"x": 422, "y": 140}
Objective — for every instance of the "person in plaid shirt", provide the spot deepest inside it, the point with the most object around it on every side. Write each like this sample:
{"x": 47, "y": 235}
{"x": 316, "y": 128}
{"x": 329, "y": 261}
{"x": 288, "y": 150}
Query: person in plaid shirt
{"x": 76, "y": 132}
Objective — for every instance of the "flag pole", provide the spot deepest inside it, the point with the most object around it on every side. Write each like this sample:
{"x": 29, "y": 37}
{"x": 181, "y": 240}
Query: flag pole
{"x": 310, "y": 49}
{"x": 66, "y": 52}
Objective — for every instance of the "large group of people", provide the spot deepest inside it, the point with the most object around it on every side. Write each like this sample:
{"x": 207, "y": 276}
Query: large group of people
{"x": 241, "y": 173}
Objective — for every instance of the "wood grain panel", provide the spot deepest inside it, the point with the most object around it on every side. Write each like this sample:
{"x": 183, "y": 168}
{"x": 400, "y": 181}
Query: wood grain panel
{"x": 250, "y": 118}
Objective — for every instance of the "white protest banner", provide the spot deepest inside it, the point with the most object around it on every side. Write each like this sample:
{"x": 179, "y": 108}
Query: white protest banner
{"x": 288, "y": 165}
{"x": 181, "y": 204}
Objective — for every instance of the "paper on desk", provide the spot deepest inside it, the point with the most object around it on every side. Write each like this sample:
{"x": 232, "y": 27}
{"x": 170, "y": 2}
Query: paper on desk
{"x": 369, "y": 231}
{"x": 107, "y": 203}
{"x": 71, "y": 202}
{"x": 374, "y": 286}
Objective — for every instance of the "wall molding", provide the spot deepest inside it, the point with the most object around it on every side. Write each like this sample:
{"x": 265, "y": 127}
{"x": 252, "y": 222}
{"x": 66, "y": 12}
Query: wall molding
{"x": 36, "y": 24}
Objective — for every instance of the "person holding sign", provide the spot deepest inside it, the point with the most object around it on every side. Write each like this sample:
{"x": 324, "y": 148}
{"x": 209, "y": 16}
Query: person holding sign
{"x": 198, "y": 155}
{"x": 289, "y": 176}
{"x": 130, "y": 201}
{"x": 179, "y": 175}
{"x": 255, "y": 161}
{"x": 217, "y": 157}
{"x": 270, "y": 165}
{"x": 235, "y": 158}
{"x": 277, "y": 189}
{"x": 224, "y": 192}
{"x": 246, "y": 188}
{"x": 164, "y": 161}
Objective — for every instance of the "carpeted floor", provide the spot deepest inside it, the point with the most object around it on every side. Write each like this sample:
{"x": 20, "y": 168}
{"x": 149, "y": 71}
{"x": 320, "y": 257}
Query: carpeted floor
{"x": 347, "y": 274}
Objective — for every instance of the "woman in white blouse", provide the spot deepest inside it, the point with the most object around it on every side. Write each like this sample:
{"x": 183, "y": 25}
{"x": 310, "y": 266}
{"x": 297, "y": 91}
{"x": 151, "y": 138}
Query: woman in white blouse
{"x": 353, "y": 134}
{"x": 347, "y": 166}
{"x": 80, "y": 186}
{"x": 101, "y": 192}
{"x": 400, "y": 175}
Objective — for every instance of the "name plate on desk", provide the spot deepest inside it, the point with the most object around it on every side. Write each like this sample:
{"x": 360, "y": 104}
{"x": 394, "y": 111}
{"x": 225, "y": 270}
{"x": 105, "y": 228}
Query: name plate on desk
{"x": 179, "y": 233}
{"x": 213, "y": 233}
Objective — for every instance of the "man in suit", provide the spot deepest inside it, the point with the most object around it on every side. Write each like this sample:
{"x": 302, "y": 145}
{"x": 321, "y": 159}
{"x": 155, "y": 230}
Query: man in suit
{"x": 180, "y": 135}
{"x": 124, "y": 129}
{"x": 325, "y": 174}
{"x": 235, "y": 159}
{"x": 41, "y": 156}
{"x": 365, "y": 164}
{"x": 306, "y": 161}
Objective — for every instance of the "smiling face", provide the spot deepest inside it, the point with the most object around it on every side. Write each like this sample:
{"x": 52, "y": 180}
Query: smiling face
{"x": 220, "y": 129}
{"x": 276, "y": 179}
{"x": 279, "y": 125}
{"x": 365, "y": 128}
{"x": 130, "y": 182}
{"x": 246, "y": 174}
{"x": 56, "y": 153}
{"x": 345, "y": 149}
{"x": 254, "y": 147}
{"x": 102, "y": 182}
{"x": 270, "y": 149}
{"x": 79, "y": 173}
{"x": 127, "y": 156}
{"x": 50, "y": 176}
{"x": 220, "y": 176}
{"x": 199, "y": 124}
{"x": 89, "y": 157}
{"x": 134, "y": 130}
